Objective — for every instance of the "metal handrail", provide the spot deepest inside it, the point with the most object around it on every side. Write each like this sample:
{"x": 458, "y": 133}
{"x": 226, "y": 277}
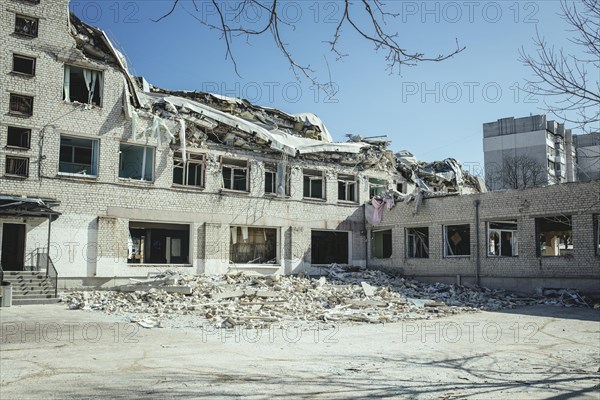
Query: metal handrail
{"x": 51, "y": 271}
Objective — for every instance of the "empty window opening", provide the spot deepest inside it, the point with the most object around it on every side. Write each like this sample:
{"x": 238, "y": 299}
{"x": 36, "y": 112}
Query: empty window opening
{"x": 329, "y": 247}
{"x": 235, "y": 174}
{"x": 154, "y": 243}
{"x": 26, "y": 26}
{"x": 189, "y": 172}
{"x": 503, "y": 239}
{"x": 313, "y": 184}
{"x": 78, "y": 156}
{"x": 21, "y": 105}
{"x": 253, "y": 245}
{"x": 555, "y": 235}
{"x": 346, "y": 188}
{"x": 457, "y": 240}
{"x": 382, "y": 244}
{"x": 18, "y": 137}
{"x": 417, "y": 242}
{"x": 23, "y": 65}
{"x": 136, "y": 162}
{"x": 17, "y": 166}
{"x": 377, "y": 187}
{"x": 83, "y": 85}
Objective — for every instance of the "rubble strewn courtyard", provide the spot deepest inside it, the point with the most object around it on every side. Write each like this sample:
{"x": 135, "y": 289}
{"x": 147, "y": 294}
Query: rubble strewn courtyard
{"x": 349, "y": 295}
{"x": 527, "y": 352}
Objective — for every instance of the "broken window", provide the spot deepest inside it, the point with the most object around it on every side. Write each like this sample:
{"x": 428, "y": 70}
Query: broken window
{"x": 417, "y": 242}
{"x": 18, "y": 137}
{"x": 253, "y": 245}
{"x": 346, "y": 188}
{"x": 83, "y": 85}
{"x": 189, "y": 172}
{"x": 327, "y": 247}
{"x": 457, "y": 240}
{"x": 17, "y": 166}
{"x": 313, "y": 184}
{"x": 555, "y": 235}
{"x": 235, "y": 174}
{"x": 26, "y": 26}
{"x": 277, "y": 179}
{"x": 23, "y": 65}
{"x": 78, "y": 156}
{"x": 21, "y": 105}
{"x": 136, "y": 162}
{"x": 382, "y": 244}
{"x": 503, "y": 239}
{"x": 377, "y": 187}
{"x": 157, "y": 243}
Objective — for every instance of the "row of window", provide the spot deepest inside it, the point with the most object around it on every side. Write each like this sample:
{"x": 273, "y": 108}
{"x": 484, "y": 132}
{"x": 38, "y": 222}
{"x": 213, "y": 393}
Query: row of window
{"x": 555, "y": 238}
{"x": 79, "y": 156}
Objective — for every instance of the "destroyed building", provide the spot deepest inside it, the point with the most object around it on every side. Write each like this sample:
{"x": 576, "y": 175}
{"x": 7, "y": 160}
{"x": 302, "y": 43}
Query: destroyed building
{"x": 106, "y": 177}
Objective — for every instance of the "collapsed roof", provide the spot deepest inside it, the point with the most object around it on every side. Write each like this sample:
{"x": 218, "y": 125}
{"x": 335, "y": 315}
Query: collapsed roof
{"x": 212, "y": 118}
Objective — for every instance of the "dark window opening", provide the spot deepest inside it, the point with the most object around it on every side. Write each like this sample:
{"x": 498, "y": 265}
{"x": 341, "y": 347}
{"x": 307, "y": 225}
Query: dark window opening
{"x": 189, "y": 172}
{"x": 417, "y": 242}
{"x": 152, "y": 243}
{"x": 329, "y": 247}
{"x": 83, "y": 85}
{"x": 555, "y": 235}
{"x": 136, "y": 162}
{"x": 382, "y": 244}
{"x": 270, "y": 178}
{"x": 23, "y": 65}
{"x": 18, "y": 137}
{"x": 277, "y": 179}
{"x": 377, "y": 187}
{"x": 503, "y": 239}
{"x": 235, "y": 174}
{"x": 17, "y": 166}
{"x": 346, "y": 188}
{"x": 313, "y": 184}
{"x": 253, "y": 245}
{"x": 26, "y": 26}
{"x": 78, "y": 156}
{"x": 457, "y": 240}
{"x": 21, "y": 105}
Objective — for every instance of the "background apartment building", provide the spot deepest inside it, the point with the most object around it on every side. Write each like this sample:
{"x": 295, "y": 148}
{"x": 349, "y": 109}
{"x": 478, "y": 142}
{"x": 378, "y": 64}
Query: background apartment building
{"x": 588, "y": 156}
{"x": 526, "y": 152}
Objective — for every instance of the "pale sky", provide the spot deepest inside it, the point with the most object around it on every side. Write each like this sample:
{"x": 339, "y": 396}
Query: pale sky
{"x": 434, "y": 110}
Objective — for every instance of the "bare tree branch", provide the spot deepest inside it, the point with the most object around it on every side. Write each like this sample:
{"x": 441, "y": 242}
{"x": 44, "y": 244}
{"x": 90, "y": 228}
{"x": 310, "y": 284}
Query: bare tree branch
{"x": 571, "y": 80}
{"x": 374, "y": 30}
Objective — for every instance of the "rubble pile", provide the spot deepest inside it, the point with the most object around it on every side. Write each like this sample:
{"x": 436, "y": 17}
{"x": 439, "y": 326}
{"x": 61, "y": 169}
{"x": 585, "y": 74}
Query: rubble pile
{"x": 238, "y": 299}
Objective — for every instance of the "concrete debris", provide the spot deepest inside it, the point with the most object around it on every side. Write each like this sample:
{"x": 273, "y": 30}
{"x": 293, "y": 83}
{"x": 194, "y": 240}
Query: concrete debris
{"x": 238, "y": 299}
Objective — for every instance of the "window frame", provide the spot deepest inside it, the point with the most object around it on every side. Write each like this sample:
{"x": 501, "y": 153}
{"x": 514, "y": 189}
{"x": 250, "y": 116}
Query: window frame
{"x": 23, "y": 57}
{"x": 35, "y": 34}
{"x": 375, "y": 184}
{"x": 99, "y": 83}
{"x": 13, "y": 98}
{"x": 383, "y": 252}
{"x": 14, "y": 175}
{"x": 348, "y": 180}
{"x": 514, "y": 238}
{"x": 417, "y": 238}
{"x": 144, "y": 162}
{"x": 234, "y": 164}
{"x": 313, "y": 175}
{"x": 192, "y": 159}
{"x": 94, "y": 161}
{"x": 158, "y": 226}
{"x": 16, "y": 146}
{"x": 256, "y": 230}
{"x": 538, "y": 235}
{"x": 446, "y": 238}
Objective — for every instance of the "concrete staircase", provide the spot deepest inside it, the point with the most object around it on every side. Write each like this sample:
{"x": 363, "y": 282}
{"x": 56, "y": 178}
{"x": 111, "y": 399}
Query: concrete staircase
{"x": 30, "y": 287}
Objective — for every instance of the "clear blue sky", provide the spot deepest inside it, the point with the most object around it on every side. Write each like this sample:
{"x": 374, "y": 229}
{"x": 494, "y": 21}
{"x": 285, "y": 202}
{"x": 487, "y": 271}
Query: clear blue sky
{"x": 435, "y": 110}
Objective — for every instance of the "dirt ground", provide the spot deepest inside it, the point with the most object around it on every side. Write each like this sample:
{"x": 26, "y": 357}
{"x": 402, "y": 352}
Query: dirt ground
{"x": 540, "y": 352}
